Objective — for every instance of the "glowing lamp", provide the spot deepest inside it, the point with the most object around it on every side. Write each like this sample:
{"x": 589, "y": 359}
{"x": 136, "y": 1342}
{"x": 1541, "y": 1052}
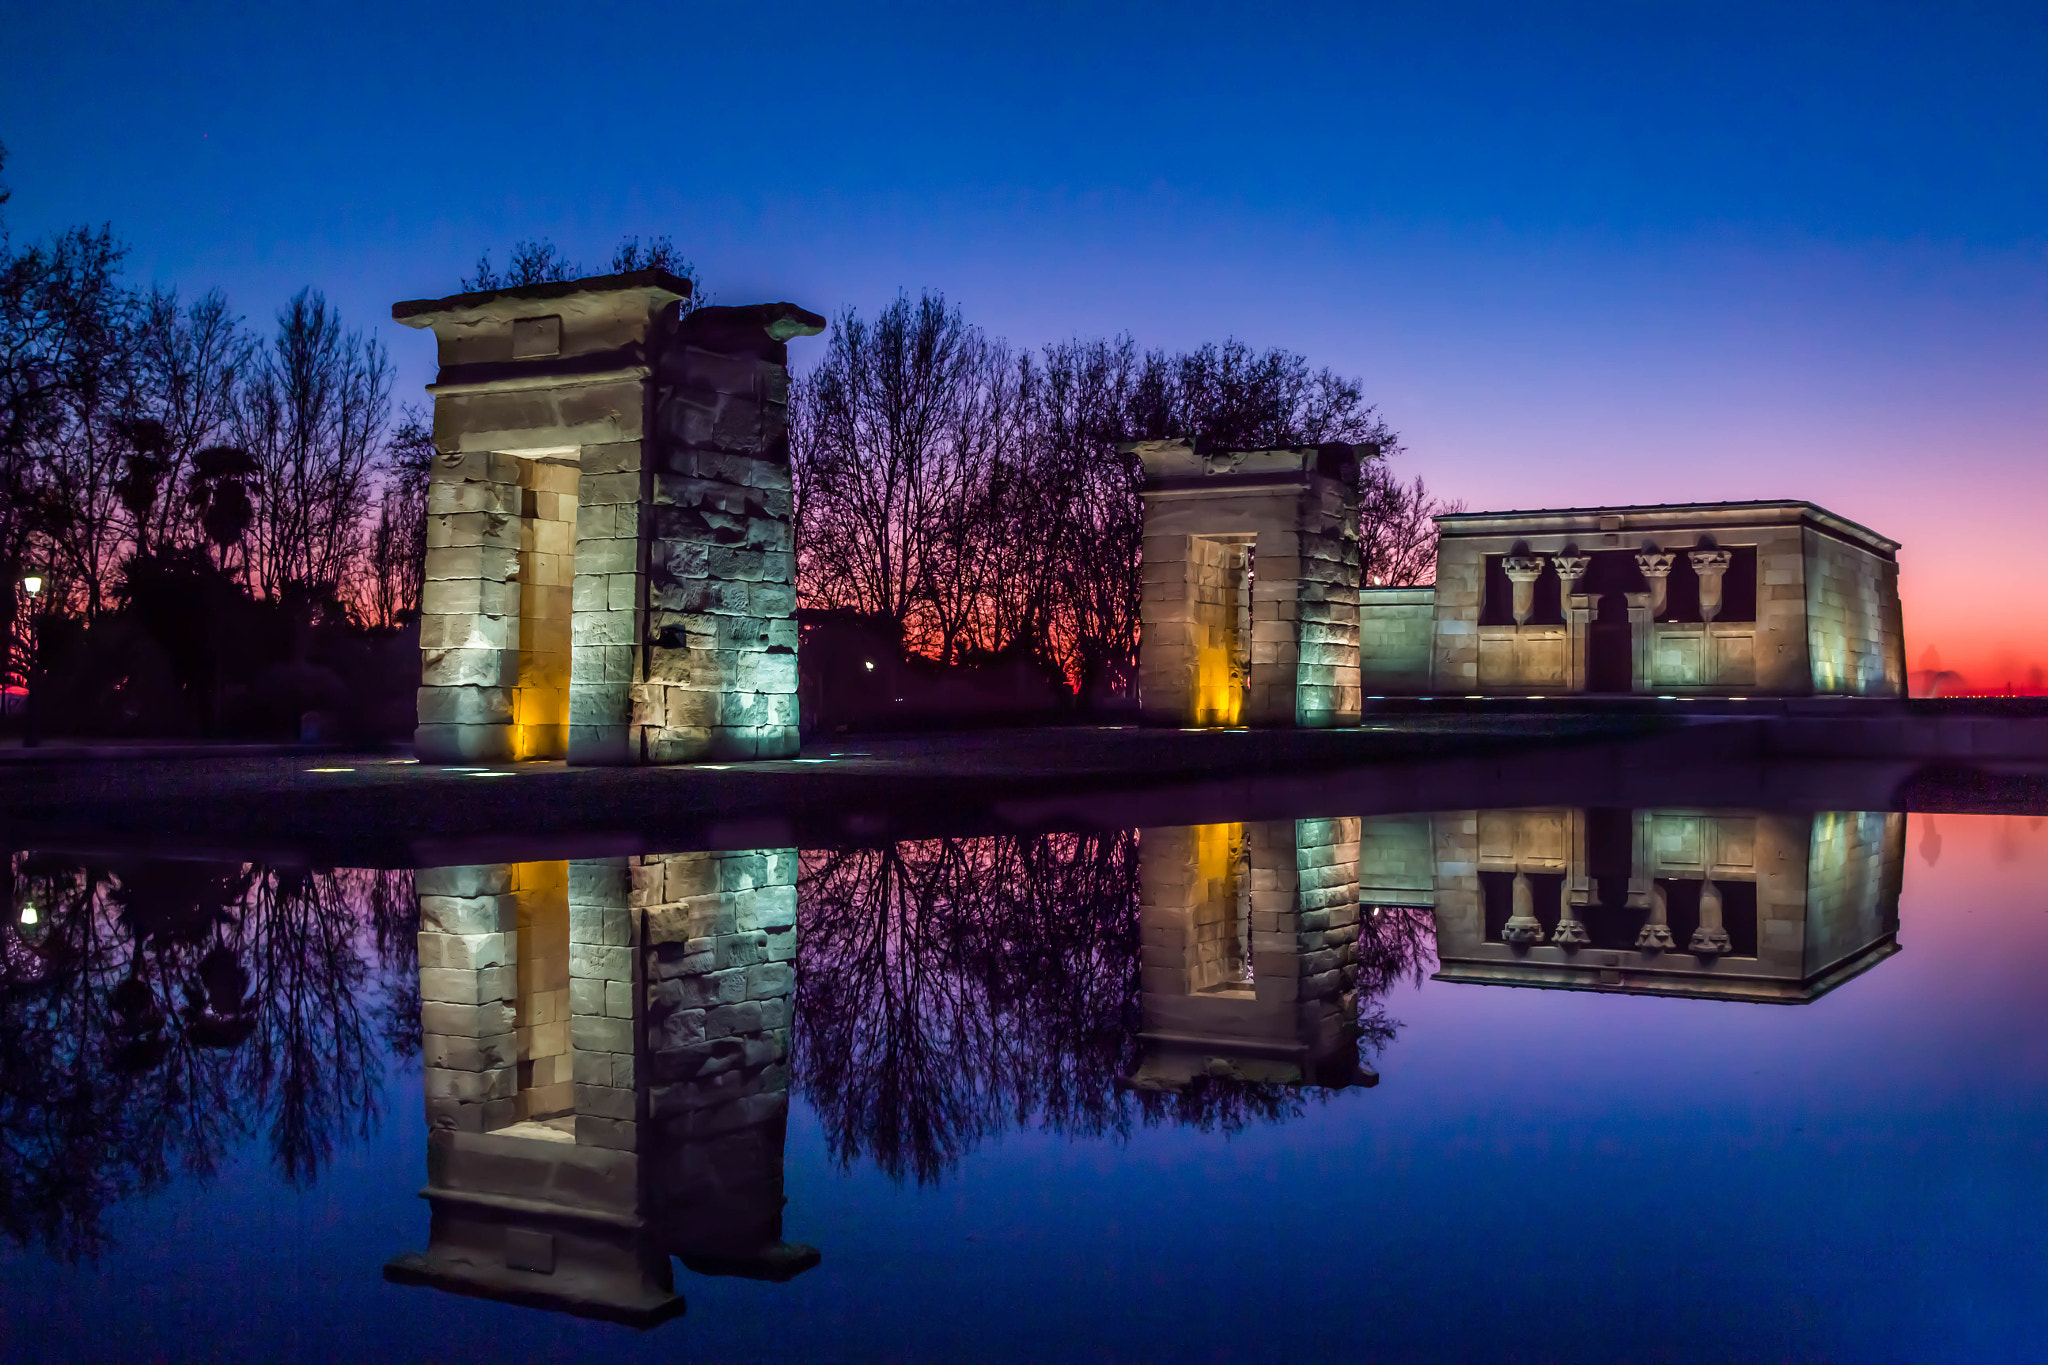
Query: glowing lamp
{"x": 28, "y": 914}
{"x": 32, "y": 584}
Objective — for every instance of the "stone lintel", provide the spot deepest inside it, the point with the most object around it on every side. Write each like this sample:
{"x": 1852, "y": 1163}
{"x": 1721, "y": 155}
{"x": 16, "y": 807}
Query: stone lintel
{"x": 652, "y": 288}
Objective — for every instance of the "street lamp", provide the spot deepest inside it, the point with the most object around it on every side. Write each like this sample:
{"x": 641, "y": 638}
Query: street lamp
{"x": 32, "y": 584}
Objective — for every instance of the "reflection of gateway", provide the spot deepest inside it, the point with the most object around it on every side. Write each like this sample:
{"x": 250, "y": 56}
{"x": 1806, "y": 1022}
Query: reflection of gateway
{"x": 1723, "y": 905}
{"x": 1250, "y": 954}
{"x": 607, "y": 1078}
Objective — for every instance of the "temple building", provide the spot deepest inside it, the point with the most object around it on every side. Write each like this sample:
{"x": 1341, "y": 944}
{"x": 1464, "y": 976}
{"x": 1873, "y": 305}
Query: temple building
{"x": 1743, "y": 599}
{"x": 610, "y": 569}
{"x": 1717, "y": 904}
{"x": 607, "y": 1078}
{"x": 1250, "y": 936}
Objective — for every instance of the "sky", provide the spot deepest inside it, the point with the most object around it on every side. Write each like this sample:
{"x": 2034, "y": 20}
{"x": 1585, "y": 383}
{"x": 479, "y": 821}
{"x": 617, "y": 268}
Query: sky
{"x": 1579, "y": 254}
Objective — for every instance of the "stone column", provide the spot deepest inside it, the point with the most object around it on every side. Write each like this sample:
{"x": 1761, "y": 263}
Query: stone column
{"x": 1579, "y": 609}
{"x": 1522, "y": 927}
{"x": 721, "y": 672}
{"x": 1656, "y": 567}
{"x": 469, "y": 608}
{"x": 1710, "y": 939}
{"x": 1710, "y": 565}
{"x": 1523, "y": 571}
{"x": 1656, "y": 933}
{"x": 1641, "y": 616}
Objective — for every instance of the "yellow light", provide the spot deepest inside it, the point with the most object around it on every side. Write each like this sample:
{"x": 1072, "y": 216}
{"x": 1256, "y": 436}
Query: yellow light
{"x": 32, "y": 584}
{"x": 28, "y": 914}
{"x": 330, "y": 770}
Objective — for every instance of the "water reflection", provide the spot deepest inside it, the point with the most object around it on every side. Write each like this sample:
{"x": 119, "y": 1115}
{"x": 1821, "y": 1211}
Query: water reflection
{"x": 609, "y": 1046}
{"x": 1728, "y": 905}
{"x": 154, "y": 1015}
{"x": 607, "y": 1077}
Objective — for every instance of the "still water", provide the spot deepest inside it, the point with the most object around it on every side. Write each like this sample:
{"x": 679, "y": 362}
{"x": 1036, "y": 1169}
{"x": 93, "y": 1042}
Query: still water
{"x": 1414, "y": 1088}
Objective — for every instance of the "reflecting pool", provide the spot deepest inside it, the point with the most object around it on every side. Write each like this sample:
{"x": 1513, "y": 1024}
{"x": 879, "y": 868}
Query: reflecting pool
{"x": 1542, "y": 1083}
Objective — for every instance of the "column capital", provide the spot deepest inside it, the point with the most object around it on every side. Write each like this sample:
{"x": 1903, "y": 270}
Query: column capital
{"x": 1708, "y": 942}
{"x": 1523, "y": 568}
{"x": 1571, "y": 567}
{"x": 1655, "y": 563}
{"x": 1708, "y": 561}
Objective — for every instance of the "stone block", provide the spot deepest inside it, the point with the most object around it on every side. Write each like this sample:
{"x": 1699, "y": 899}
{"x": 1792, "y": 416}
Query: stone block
{"x": 604, "y": 1101}
{"x": 600, "y": 961}
{"x": 727, "y": 1020}
{"x": 592, "y": 1068}
{"x": 594, "y": 1033}
{"x": 616, "y": 1134}
{"x": 770, "y": 980}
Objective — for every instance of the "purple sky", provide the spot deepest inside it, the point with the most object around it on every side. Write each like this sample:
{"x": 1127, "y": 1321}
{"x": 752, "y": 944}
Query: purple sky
{"x": 1580, "y": 254}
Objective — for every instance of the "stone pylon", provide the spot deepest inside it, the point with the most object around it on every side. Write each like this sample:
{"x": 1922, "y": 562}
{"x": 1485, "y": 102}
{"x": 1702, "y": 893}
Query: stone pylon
{"x": 1249, "y": 614}
{"x": 610, "y": 572}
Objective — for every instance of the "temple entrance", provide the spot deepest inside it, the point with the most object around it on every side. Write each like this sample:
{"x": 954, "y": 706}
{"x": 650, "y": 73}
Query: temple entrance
{"x": 1220, "y": 577}
{"x": 1610, "y": 647}
{"x": 547, "y": 568}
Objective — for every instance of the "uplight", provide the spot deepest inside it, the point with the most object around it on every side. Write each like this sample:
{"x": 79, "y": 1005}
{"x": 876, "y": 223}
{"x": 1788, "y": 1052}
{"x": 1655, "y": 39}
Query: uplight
{"x": 330, "y": 770}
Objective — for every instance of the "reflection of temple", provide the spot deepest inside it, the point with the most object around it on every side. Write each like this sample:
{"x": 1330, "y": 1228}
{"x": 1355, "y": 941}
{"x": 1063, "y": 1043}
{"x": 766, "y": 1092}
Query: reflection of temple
{"x": 1250, "y": 945}
{"x": 607, "y": 1077}
{"x": 1718, "y": 904}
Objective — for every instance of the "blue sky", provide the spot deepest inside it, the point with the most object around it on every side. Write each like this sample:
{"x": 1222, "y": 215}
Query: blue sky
{"x": 1579, "y": 253}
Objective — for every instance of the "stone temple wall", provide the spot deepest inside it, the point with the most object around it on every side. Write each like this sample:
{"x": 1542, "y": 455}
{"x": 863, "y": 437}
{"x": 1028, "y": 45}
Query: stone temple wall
{"x": 1396, "y": 632}
{"x": 1854, "y": 623}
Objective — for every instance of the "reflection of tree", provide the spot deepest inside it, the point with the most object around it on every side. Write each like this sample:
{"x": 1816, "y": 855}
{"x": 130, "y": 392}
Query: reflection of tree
{"x": 955, "y": 986}
{"x": 951, "y": 988}
{"x": 1396, "y": 943}
{"x": 158, "y": 1013}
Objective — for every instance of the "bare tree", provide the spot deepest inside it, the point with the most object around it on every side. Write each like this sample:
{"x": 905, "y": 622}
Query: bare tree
{"x": 192, "y": 359}
{"x": 538, "y": 262}
{"x": 66, "y": 323}
{"x": 909, "y": 420}
{"x": 398, "y": 545}
{"x": 1397, "y": 529}
{"x": 312, "y": 414}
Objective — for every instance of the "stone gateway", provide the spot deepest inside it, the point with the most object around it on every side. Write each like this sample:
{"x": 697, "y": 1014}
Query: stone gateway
{"x": 610, "y": 572}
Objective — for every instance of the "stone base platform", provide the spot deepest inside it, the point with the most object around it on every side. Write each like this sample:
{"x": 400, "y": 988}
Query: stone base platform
{"x": 381, "y": 810}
